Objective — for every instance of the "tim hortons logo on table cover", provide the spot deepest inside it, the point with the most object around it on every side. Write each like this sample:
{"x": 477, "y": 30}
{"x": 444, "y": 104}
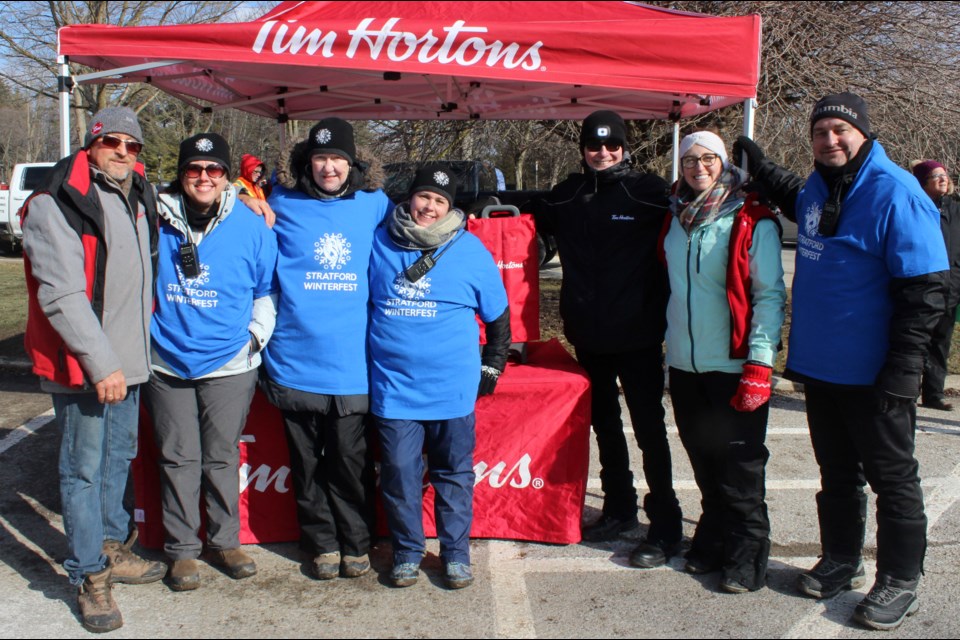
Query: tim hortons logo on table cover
{"x": 461, "y": 44}
{"x": 264, "y": 477}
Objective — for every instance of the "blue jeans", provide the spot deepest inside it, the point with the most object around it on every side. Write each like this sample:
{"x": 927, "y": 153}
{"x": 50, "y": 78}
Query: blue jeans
{"x": 450, "y": 445}
{"x": 99, "y": 441}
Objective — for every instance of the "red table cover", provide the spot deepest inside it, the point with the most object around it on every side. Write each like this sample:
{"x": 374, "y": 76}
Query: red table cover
{"x": 531, "y": 461}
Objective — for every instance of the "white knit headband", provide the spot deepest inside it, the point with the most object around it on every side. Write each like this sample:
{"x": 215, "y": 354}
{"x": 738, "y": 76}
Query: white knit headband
{"x": 706, "y": 140}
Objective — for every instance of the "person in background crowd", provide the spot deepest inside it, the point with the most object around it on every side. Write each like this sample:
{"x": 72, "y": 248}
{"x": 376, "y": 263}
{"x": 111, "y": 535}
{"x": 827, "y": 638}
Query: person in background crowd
{"x": 429, "y": 278}
{"x": 91, "y": 227}
{"x": 607, "y": 222}
{"x": 936, "y": 182}
{"x": 726, "y": 307}
{"x": 252, "y": 178}
{"x": 205, "y": 356}
{"x": 328, "y": 203}
{"x": 867, "y": 293}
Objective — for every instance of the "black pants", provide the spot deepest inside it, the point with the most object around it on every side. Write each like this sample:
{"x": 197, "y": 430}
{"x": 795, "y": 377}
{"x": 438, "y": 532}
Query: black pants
{"x": 855, "y": 443}
{"x": 728, "y": 456}
{"x": 641, "y": 376}
{"x": 333, "y": 478}
{"x": 935, "y": 367}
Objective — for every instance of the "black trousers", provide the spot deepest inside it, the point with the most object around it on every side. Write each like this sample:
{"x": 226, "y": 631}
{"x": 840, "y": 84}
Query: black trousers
{"x": 641, "y": 376}
{"x": 728, "y": 456}
{"x": 855, "y": 443}
{"x": 333, "y": 477}
{"x": 935, "y": 367}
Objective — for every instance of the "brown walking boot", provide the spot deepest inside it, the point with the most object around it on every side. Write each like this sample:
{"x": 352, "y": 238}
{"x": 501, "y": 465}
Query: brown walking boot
{"x": 184, "y": 575}
{"x": 126, "y": 567}
{"x": 98, "y": 610}
{"x": 235, "y": 562}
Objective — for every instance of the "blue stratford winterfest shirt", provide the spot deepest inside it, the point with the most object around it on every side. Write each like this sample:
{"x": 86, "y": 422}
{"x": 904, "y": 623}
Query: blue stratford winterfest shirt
{"x": 889, "y": 228}
{"x": 424, "y": 338}
{"x": 319, "y": 344}
{"x": 199, "y": 324}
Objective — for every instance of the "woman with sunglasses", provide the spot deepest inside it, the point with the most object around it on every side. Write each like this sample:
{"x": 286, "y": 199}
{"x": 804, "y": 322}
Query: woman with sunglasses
{"x": 214, "y": 313}
{"x": 726, "y": 306}
{"x": 607, "y": 222}
{"x": 936, "y": 182}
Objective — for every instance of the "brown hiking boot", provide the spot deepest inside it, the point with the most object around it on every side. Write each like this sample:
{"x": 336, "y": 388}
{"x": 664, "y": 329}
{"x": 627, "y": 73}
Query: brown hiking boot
{"x": 354, "y": 566}
{"x": 126, "y": 567}
{"x": 326, "y": 566}
{"x": 235, "y": 562}
{"x": 98, "y": 610}
{"x": 184, "y": 575}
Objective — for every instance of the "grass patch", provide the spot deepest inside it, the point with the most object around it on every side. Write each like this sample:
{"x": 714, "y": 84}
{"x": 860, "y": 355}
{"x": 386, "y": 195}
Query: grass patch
{"x": 13, "y": 309}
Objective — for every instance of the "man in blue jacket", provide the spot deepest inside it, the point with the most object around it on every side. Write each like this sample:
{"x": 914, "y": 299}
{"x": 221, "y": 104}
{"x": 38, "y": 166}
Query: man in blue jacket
{"x": 868, "y": 290}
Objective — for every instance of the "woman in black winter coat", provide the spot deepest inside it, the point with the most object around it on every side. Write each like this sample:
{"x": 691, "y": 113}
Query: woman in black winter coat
{"x": 936, "y": 181}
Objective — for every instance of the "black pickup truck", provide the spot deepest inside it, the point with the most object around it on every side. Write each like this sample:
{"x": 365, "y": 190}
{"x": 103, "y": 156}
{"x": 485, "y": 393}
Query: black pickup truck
{"x": 476, "y": 189}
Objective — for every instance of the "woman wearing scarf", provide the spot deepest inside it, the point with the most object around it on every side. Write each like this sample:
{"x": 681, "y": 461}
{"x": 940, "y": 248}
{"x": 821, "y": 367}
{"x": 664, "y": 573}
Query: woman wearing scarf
{"x": 214, "y": 313}
{"x": 723, "y": 327}
{"x": 428, "y": 280}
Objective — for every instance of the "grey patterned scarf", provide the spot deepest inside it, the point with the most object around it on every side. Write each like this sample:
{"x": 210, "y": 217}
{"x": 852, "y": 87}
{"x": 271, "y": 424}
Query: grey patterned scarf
{"x": 407, "y": 235}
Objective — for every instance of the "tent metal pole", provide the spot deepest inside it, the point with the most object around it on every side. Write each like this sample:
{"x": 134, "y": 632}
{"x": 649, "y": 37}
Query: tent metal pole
{"x": 749, "y": 108}
{"x": 64, "y": 83}
{"x": 675, "y": 171}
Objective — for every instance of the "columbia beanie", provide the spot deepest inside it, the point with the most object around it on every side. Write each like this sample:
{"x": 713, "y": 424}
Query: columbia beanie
{"x": 846, "y": 106}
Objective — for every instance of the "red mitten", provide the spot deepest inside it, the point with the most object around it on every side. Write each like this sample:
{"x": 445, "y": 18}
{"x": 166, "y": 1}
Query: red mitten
{"x": 754, "y": 389}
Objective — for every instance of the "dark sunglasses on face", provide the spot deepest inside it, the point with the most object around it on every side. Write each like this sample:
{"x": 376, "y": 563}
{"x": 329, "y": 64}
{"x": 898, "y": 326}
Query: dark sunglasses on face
{"x": 612, "y": 147}
{"x": 214, "y": 171}
{"x": 112, "y": 142}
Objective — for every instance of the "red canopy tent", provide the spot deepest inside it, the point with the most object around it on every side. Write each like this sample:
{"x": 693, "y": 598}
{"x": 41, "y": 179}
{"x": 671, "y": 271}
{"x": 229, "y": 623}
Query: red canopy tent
{"x": 428, "y": 60}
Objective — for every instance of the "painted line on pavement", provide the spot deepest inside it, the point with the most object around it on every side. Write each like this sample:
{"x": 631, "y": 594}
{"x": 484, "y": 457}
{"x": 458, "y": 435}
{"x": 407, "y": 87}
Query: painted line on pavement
{"x": 26, "y": 429}
{"x": 828, "y": 618}
{"x": 511, "y": 604}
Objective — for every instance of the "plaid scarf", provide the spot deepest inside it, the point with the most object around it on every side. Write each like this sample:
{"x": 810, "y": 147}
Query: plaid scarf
{"x": 694, "y": 210}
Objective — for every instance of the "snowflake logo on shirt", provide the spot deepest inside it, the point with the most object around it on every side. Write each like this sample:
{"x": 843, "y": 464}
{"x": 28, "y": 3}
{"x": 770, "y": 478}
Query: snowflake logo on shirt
{"x": 194, "y": 283}
{"x": 204, "y": 145}
{"x": 323, "y": 136}
{"x": 441, "y": 178}
{"x": 332, "y": 251}
{"x": 811, "y": 221}
{"x": 411, "y": 290}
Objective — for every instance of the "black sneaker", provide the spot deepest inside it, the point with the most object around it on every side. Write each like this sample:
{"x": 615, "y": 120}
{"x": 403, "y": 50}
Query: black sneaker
{"x": 829, "y": 577}
{"x": 609, "y": 528}
{"x": 888, "y": 603}
{"x": 649, "y": 555}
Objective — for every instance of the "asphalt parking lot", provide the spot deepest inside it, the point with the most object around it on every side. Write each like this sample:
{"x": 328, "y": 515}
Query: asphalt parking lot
{"x": 522, "y": 590}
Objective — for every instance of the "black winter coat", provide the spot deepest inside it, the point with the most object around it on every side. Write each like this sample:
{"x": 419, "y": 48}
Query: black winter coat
{"x": 607, "y": 225}
{"x": 950, "y": 227}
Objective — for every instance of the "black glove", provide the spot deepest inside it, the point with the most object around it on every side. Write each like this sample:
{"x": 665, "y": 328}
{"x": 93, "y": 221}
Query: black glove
{"x": 755, "y": 155}
{"x": 488, "y": 380}
{"x": 887, "y": 402}
{"x": 896, "y": 386}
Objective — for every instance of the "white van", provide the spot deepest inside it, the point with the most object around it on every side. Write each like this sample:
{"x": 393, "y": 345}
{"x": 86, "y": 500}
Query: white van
{"x": 25, "y": 178}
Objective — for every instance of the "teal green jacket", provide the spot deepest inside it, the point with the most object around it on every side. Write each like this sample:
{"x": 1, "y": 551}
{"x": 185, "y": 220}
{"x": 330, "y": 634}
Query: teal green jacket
{"x": 698, "y": 313}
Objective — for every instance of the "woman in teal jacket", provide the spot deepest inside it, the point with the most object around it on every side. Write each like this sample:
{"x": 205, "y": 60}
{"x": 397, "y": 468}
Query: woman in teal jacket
{"x": 723, "y": 327}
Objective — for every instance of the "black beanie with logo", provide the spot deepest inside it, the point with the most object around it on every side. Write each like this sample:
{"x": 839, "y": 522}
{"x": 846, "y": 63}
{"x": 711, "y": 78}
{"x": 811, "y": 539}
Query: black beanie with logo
{"x": 603, "y": 126}
{"x": 332, "y": 135}
{"x": 435, "y": 178}
{"x": 204, "y": 146}
{"x": 846, "y": 106}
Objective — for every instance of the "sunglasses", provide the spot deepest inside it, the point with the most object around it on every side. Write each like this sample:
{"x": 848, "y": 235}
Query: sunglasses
{"x": 112, "y": 142}
{"x": 214, "y": 171}
{"x": 612, "y": 147}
